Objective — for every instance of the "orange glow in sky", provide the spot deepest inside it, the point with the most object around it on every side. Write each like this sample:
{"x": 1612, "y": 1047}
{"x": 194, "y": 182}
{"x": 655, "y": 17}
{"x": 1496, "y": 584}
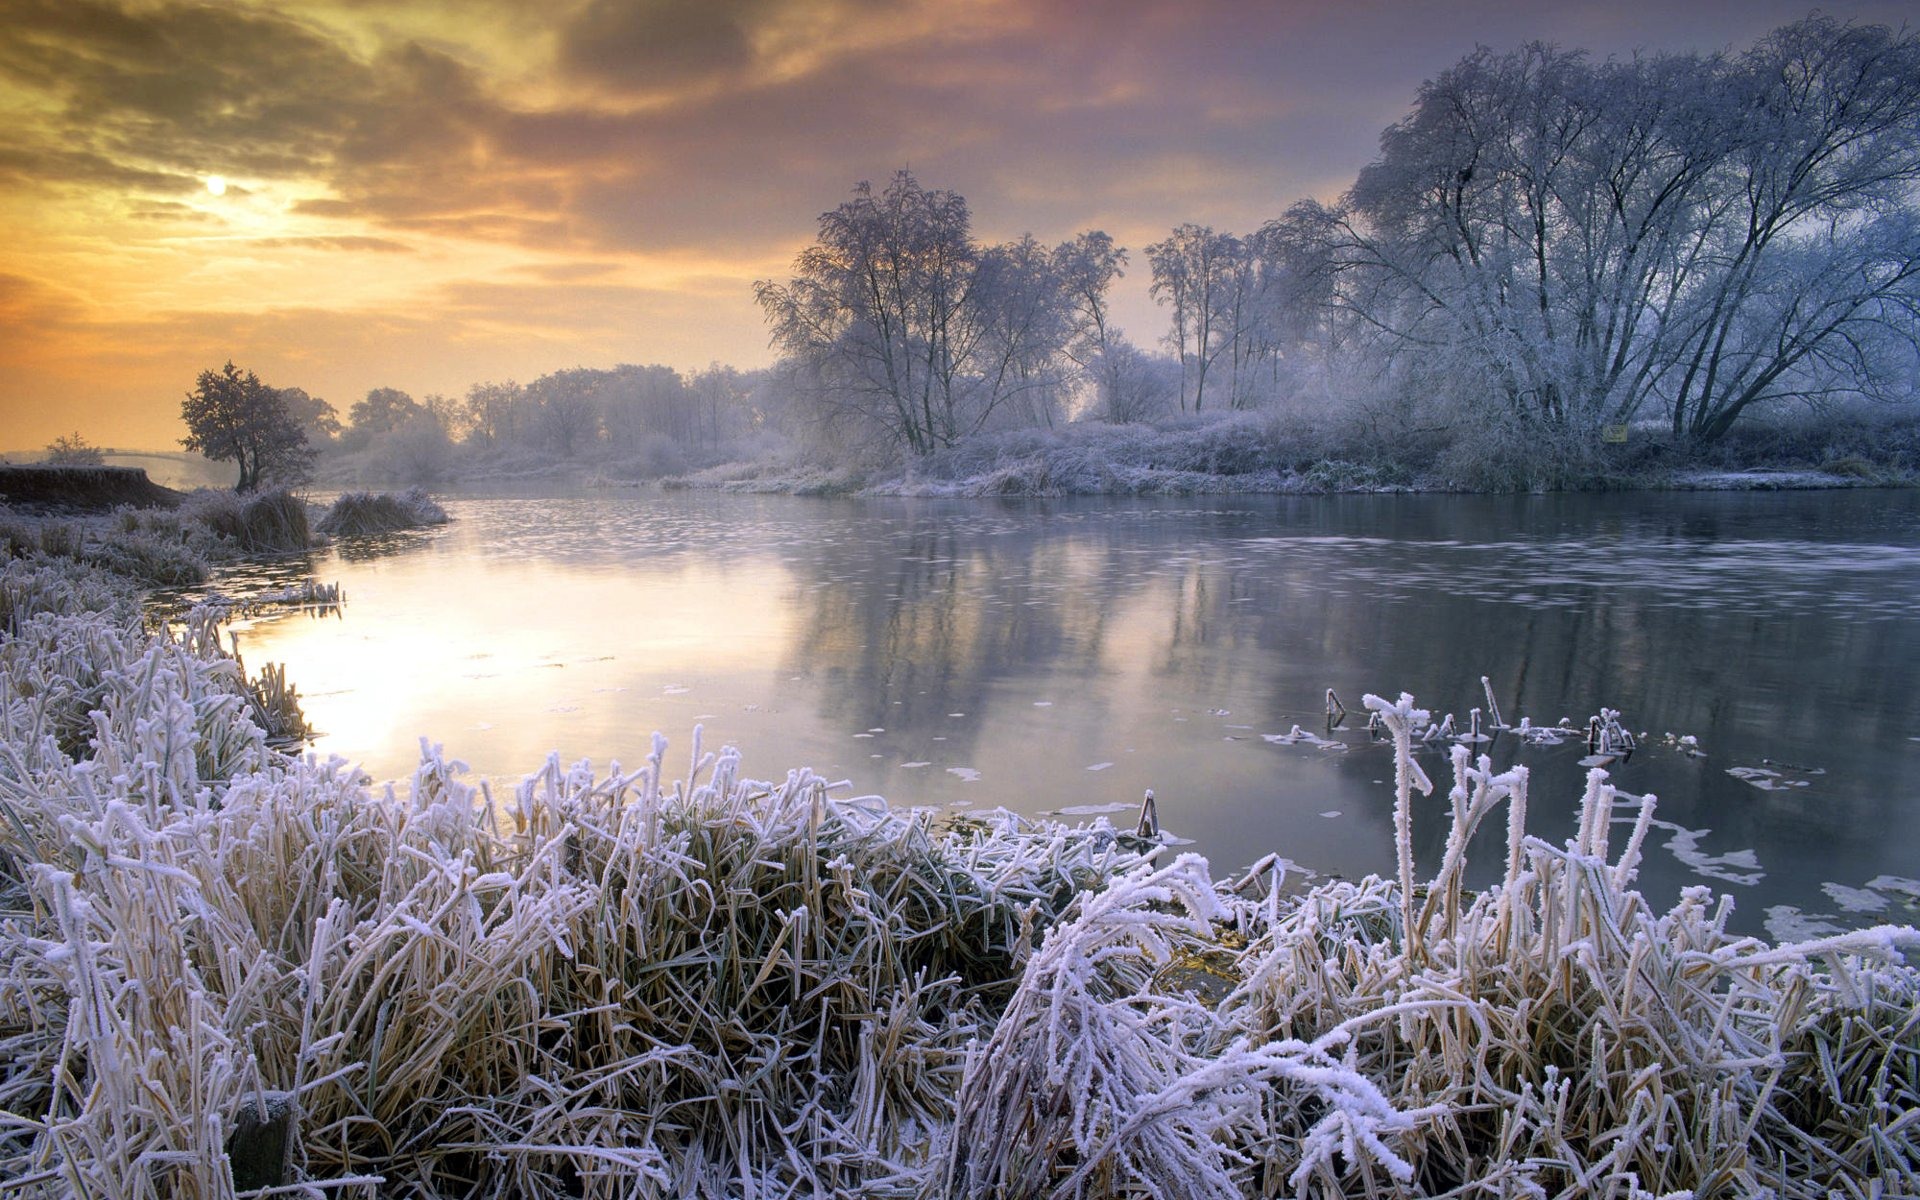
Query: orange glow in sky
{"x": 427, "y": 194}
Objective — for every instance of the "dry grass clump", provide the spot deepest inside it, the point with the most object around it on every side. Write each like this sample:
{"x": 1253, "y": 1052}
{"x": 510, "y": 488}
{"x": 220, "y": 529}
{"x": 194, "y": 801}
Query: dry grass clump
{"x": 1108, "y": 1075}
{"x": 267, "y": 523}
{"x": 165, "y": 547}
{"x": 367, "y": 512}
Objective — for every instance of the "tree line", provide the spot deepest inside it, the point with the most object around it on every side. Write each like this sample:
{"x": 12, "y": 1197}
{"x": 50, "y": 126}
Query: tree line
{"x": 1546, "y": 245}
{"x": 652, "y": 416}
{"x": 1545, "y": 240}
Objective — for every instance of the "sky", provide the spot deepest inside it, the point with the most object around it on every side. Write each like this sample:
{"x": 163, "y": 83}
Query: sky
{"x": 425, "y": 194}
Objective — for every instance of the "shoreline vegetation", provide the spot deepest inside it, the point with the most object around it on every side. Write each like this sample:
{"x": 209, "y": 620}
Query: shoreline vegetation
{"x": 1223, "y": 453}
{"x": 116, "y": 519}
{"x": 226, "y": 970}
{"x": 1261, "y": 453}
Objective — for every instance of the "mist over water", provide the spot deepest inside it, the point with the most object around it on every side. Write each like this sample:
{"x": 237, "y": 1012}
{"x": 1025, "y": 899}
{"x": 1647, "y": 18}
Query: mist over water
{"x": 1052, "y": 656}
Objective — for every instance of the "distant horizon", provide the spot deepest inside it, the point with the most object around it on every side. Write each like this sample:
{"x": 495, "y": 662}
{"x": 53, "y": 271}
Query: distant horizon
{"x": 425, "y": 198}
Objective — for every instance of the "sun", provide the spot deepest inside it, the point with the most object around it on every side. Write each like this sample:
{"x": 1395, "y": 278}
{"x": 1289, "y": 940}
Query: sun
{"x": 217, "y": 184}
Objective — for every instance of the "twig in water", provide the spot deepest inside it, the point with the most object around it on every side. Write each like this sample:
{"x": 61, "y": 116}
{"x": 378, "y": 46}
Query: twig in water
{"x": 1149, "y": 826}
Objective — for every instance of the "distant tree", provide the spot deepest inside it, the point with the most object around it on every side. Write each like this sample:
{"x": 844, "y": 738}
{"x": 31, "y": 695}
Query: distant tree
{"x": 383, "y": 412}
{"x": 448, "y": 413}
{"x": 1192, "y": 274}
{"x": 1087, "y": 267}
{"x": 565, "y": 410}
{"x": 721, "y": 397}
{"x": 417, "y": 452}
{"x": 496, "y": 413}
{"x": 233, "y": 417}
{"x": 316, "y": 418}
{"x": 72, "y": 450}
{"x": 640, "y": 405}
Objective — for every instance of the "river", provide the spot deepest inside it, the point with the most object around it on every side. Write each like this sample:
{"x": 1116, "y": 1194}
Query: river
{"x": 1063, "y": 656}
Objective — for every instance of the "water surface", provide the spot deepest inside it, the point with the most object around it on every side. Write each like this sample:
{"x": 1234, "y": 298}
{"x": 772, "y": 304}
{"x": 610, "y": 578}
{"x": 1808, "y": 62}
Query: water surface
{"x": 1057, "y": 656}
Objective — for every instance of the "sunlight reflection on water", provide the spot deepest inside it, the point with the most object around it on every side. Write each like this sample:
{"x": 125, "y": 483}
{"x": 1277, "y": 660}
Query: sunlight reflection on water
{"x": 1066, "y": 655}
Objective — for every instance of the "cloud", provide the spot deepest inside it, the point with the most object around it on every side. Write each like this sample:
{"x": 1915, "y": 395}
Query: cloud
{"x": 357, "y": 243}
{"x": 30, "y": 161}
{"x": 565, "y": 272}
{"x": 27, "y": 303}
{"x": 179, "y": 89}
{"x": 655, "y": 44}
{"x": 710, "y": 127}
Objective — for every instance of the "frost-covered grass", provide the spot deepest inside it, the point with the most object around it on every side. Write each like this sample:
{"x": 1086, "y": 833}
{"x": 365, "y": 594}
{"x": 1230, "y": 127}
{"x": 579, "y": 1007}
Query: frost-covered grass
{"x": 165, "y": 547}
{"x": 381, "y": 512}
{"x": 1551, "y": 1036}
{"x": 1227, "y": 452}
{"x": 152, "y": 548}
{"x": 682, "y": 982}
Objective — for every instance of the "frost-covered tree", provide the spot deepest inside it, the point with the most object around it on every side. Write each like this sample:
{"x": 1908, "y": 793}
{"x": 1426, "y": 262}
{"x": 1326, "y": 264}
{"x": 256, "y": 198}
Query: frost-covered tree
{"x": 643, "y": 404}
{"x": 1680, "y": 236}
{"x": 1087, "y": 267}
{"x": 1131, "y": 385}
{"x": 897, "y": 320}
{"x": 1026, "y": 325}
{"x": 722, "y": 397}
{"x": 1225, "y": 294}
{"x": 1190, "y": 272}
{"x": 233, "y": 417}
{"x": 875, "y": 308}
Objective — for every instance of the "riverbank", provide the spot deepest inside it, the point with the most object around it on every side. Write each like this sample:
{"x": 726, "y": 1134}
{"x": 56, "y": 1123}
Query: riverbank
{"x": 56, "y": 489}
{"x": 1260, "y": 453}
{"x": 114, "y": 519}
{"x": 679, "y": 981}
{"x": 1290, "y": 451}
{"x": 1044, "y": 476}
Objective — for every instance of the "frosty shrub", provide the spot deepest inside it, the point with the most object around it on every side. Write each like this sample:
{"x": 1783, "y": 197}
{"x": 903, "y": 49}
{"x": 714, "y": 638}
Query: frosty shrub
{"x": 1487, "y": 455}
